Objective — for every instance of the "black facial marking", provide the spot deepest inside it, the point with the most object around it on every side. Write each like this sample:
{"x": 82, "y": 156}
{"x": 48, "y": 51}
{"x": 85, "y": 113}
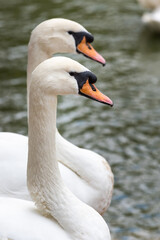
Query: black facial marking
{"x": 78, "y": 36}
{"x": 83, "y": 77}
{"x": 81, "y": 80}
{"x": 72, "y": 73}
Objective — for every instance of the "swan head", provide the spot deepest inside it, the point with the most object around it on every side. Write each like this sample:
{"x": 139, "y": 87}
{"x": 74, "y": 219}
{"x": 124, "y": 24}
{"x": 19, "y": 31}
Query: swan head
{"x": 63, "y": 76}
{"x": 59, "y": 35}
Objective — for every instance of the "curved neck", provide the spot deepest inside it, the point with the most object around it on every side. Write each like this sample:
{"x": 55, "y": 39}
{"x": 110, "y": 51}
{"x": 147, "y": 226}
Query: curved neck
{"x": 43, "y": 177}
{"x": 42, "y": 173}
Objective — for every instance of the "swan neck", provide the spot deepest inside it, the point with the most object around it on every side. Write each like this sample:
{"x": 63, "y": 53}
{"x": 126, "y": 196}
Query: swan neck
{"x": 36, "y": 55}
{"x": 44, "y": 182}
{"x": 42, "y": 129}
{"x": 43, "y": 177}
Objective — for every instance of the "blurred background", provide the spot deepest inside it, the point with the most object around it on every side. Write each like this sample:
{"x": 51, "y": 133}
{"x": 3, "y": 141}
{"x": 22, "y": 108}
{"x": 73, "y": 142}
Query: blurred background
{"x": 127, "y": 135}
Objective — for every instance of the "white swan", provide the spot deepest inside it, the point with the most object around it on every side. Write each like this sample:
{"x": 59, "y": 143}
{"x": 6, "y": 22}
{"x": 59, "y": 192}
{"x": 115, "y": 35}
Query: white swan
{"x": 69, "y": 218}
{"x": 79, "y": 167}
{"x": 152, "y": 19}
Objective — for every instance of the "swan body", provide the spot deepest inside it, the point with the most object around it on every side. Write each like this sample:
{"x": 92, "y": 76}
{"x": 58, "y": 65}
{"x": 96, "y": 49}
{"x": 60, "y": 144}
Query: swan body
{"x": 24, "y": 222}
{"x": 78, "y": 167}
{"x": 14, "y": 185}
{"x": 151, "y": 19}
{"x": 64, "y": 217}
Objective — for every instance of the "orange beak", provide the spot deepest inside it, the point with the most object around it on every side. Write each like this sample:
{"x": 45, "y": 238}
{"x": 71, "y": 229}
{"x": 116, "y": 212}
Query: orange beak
{"x": 89, "y": 51}
{"x": 89, "y": 90}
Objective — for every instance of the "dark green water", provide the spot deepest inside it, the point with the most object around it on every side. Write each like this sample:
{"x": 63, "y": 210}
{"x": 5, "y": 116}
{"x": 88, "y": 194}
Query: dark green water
{"x": 126, "y": 135}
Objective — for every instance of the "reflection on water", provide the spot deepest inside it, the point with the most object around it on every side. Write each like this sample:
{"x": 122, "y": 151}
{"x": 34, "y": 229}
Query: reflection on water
{"x": 126, "y": 135}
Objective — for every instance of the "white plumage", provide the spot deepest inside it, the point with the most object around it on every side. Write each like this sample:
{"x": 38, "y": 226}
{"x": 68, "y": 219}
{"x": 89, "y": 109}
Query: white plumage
{"x": 79, "y": 167}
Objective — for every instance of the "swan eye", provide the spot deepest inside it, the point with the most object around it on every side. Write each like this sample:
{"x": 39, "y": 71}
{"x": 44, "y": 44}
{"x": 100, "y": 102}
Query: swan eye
{"x": 70, "y": 32}
{"x": 72, "y": 73}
